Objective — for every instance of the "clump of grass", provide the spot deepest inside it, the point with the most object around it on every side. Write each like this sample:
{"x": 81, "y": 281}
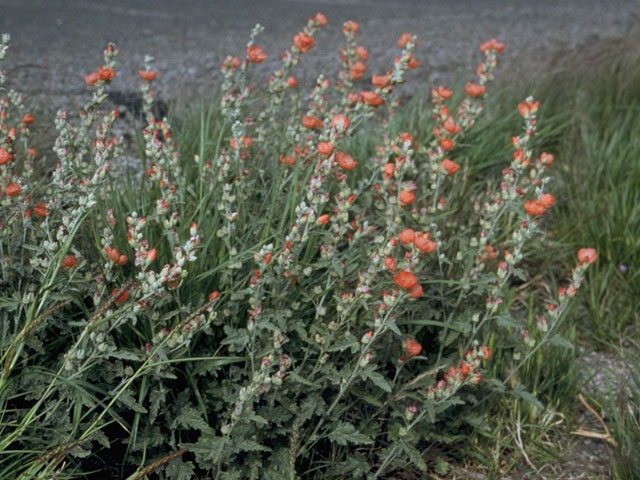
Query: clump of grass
{"x": 595, "y": 101}
{"x": 623, "y": 414}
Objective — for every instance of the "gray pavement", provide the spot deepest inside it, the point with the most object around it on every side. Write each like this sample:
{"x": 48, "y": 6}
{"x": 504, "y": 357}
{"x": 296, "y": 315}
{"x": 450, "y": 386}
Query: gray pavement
{"x": 55, "y": 42}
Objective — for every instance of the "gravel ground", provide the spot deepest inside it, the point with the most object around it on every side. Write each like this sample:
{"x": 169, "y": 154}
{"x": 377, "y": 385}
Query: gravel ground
{"x": 55, "y": 42}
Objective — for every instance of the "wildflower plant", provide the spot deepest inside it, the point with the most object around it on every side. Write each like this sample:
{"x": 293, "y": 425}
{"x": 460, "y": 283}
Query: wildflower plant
{"x": 276, "y": 304}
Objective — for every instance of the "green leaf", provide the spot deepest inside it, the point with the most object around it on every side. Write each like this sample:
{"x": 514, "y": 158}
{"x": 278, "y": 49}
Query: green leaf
{"x": 507, "y": 321}
{"x": 294, "y": 377}
{"x": 179, "y": 470}
{"x": 355, "y": 466}
{"x": 346, "y": 433}
{"x": 215, "y": 363}
{"x": 127, "y": 399}
{"x": 442, "y": 466}
{"x": 520, "y": 392}
{"x": 124, "y": 354}
{"x": 209, "y": 449}
{"x": 495, "y": 385}
{"x": 414, "y": 455}
{"x": 431, "y": 411}
{"x": 310, "y": 405}
{"x": 376, "y": 378}
{"x": 250, "y": 446}
{"x": 189, "y": 417}
{"x": 558, "y": 341}
{"x": 518, "y": 272}
{"x": 370, "y": 399}
{"x": 342, "y": 343}
{"x": 451, "y": 337}
{"x": 235, "y": 337}
{"x": 10, "y": 305}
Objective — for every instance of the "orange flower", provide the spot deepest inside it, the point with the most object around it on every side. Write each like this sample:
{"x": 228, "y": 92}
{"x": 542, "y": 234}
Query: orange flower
{"x": 546, "y": 158}
{"x": 323, "y": 219}
{"x": 390, "y": 263}
{"x": 352, "y": 97}
{"x": 423, "y": 242}
{"x": 357, "y": 70}
{"x": 214, "y": 295}
{"x": 350, "y": 27}
{"x": 151, "y": 255}
{"x": 12, "y": 190}
{"x": 406, "y": 197}
{"x": 446, "y": 143}
{"x": 527, "y": 108}
{"x": 445, "y": 93}
{"x": 246, "y": 142}
{"x": 413, "y": 348}
{"x": 490, "y": 251}
{"x": 406, "y": 137}
{"x": 255, "y": 54}
{"x": 69, "y": 262}
{"x": 474, "y": 90}
{"x": 120, "y": 296}
{"x": 28, "y": 119}
{"x": 325, "y": 148}
{"x": 518, "y": 155}
{"x": 362, "y": 53}
{"x": 492, "y": 44}
{"x": 231, "y": 62}
{"x": 303, "y": 42}
{"x": 485, "y": 352}
{"x": 371, "y": 98}
{"x": 346, "y": 161}
{"x": 5, "y": 156}
{"x": 388, "y": 169}
{"x": 292, "y": 82}
{"x": 413, "y": 63}
{"x": 267, "y": 258}
{"x": 92, "y": 78}
{"x": 547, "y": 200}
{"x": 320, "y": 19}
{"x": 340, "y": 121}
{"x": 287, "y": 160}
{"x": 147, "y": 75}
{"x": 405, "y": 280}
{"x": 40, "y": 209}
{"x": 450, "y": 166}
{"x": 587, "y": 256}
{"x": 407, "y": 236}
{"x": 115, "y": 256}
{"x": 451, "y": 127}
{"x": 534, "y": 208}
{"x": 416, "y": 291}
{"x": 380, "y": 80}
{"x": 404, "y": 39}
{"x": 106, "y": 73}
{"x": 311, "y": 122}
